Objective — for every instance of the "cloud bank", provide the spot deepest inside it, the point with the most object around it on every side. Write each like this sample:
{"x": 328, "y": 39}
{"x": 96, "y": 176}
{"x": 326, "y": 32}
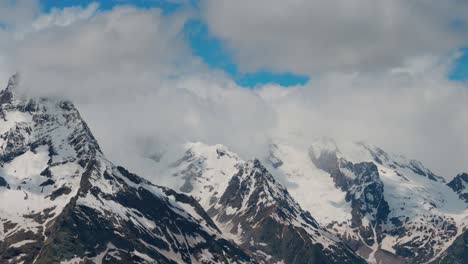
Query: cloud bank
{"x": 143, "y": 92}
{"x": 316, "y": 36}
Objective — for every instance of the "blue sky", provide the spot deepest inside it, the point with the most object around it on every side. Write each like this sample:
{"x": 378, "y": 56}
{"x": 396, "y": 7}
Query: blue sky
{"x": 460, "y": 71}
{"x": 203, "y": 44}
{"x": 215, "y": 54}
{"x": 167, "y": 6}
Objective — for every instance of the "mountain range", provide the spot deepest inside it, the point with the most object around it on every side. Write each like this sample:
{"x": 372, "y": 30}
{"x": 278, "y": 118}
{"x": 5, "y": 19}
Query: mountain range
{"x": 63, "y": 201}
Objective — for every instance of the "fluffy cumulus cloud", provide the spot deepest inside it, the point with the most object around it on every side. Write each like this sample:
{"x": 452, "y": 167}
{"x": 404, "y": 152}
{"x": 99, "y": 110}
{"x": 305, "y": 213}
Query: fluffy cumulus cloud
{"x": 311, "y": 36}
{"x": 143, "y": 92}
{"x": 135, "y": 81}
{"x": 79, "y": 49}
{"x": 18, "y": 13}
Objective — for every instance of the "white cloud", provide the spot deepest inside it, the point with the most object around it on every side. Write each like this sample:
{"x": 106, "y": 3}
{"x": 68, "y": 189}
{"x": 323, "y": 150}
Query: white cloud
{"x": 137, "y": 84}
{"x": 64, "y": 17}
{"x": 180, "y": 111}
{"x": 76, "y": 50}
{"x": 17, "y": 13}
{"x": 316, "y": 36}
{"x": 410, "y": 111}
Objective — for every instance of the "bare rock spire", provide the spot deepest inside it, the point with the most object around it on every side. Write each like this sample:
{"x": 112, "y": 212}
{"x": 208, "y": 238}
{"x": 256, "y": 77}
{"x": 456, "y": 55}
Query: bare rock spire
{"x": 7, "y": 95}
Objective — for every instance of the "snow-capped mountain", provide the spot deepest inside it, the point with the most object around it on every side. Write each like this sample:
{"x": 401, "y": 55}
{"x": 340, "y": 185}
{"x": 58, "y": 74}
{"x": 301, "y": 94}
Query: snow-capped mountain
{"x": 253, "y": 209}
{"x": 62, "y": 201}
{"x": 386, "y": 207}
{"x": 203, "y": 171}
{"x": 272, "y": 227}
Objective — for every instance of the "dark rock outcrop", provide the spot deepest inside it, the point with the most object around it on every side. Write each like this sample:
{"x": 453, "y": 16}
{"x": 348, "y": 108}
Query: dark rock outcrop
{"x": 80, "y": 207}
{"x": 459, "y": 184}
{"x": 270, "y": 225}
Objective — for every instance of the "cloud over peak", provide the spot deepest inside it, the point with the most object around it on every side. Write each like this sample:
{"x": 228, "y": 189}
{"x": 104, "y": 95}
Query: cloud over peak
{"x": 378, "y": 73}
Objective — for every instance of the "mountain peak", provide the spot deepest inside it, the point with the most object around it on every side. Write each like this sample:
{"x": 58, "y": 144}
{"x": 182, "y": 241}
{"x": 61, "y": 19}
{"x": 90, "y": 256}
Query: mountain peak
{"x": 270, "y": 225}
{"x": 459, "y": 184}
{"x": 203, "y": 171}
{"x": 257, "y": 170}
{"x": 62, "y": 200}
{"x": 13, "y": 81}
{"x": 376, "y": 199}
{"x": 7, "y": 95}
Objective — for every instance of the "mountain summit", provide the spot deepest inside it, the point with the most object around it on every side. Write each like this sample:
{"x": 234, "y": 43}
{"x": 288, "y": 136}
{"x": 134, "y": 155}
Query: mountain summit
{"x": 62, "y": 200}
{"x": 270, "y": 225}
{"x": 388, "y": 208}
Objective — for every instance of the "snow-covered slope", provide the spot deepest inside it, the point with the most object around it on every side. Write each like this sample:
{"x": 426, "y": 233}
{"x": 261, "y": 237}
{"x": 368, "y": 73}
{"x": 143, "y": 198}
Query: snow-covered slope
{"x": 267, "y": 222}
{"x": 203, "y": 172}
{"x": 209, "y": 174}
{"x": 61, "y": 200}
{"x": 388, "y": 208}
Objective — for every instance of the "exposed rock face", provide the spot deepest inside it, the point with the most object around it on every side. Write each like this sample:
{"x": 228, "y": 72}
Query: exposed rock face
{"x": 389, "y": 209}
{"x": 459, "y": 184}
{"x": 254, "y": 211}
{"x": 386, "y": 208}
{"x": 365, "y": 192}
{"x": 270, "y": 225}
{"x": 62, "y": 200}
{"x": 364, "y": 189}
{"x": 457, "y": 253}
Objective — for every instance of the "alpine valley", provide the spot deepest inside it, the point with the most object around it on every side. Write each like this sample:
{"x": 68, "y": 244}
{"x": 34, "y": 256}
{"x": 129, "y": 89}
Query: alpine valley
{"x": 63, "y": 201}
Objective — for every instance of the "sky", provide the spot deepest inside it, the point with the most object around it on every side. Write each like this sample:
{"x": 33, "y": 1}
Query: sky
{"x": 203, "y": 44}
{"x": 211, "y": 50}
{"x": 149, "y": 75}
